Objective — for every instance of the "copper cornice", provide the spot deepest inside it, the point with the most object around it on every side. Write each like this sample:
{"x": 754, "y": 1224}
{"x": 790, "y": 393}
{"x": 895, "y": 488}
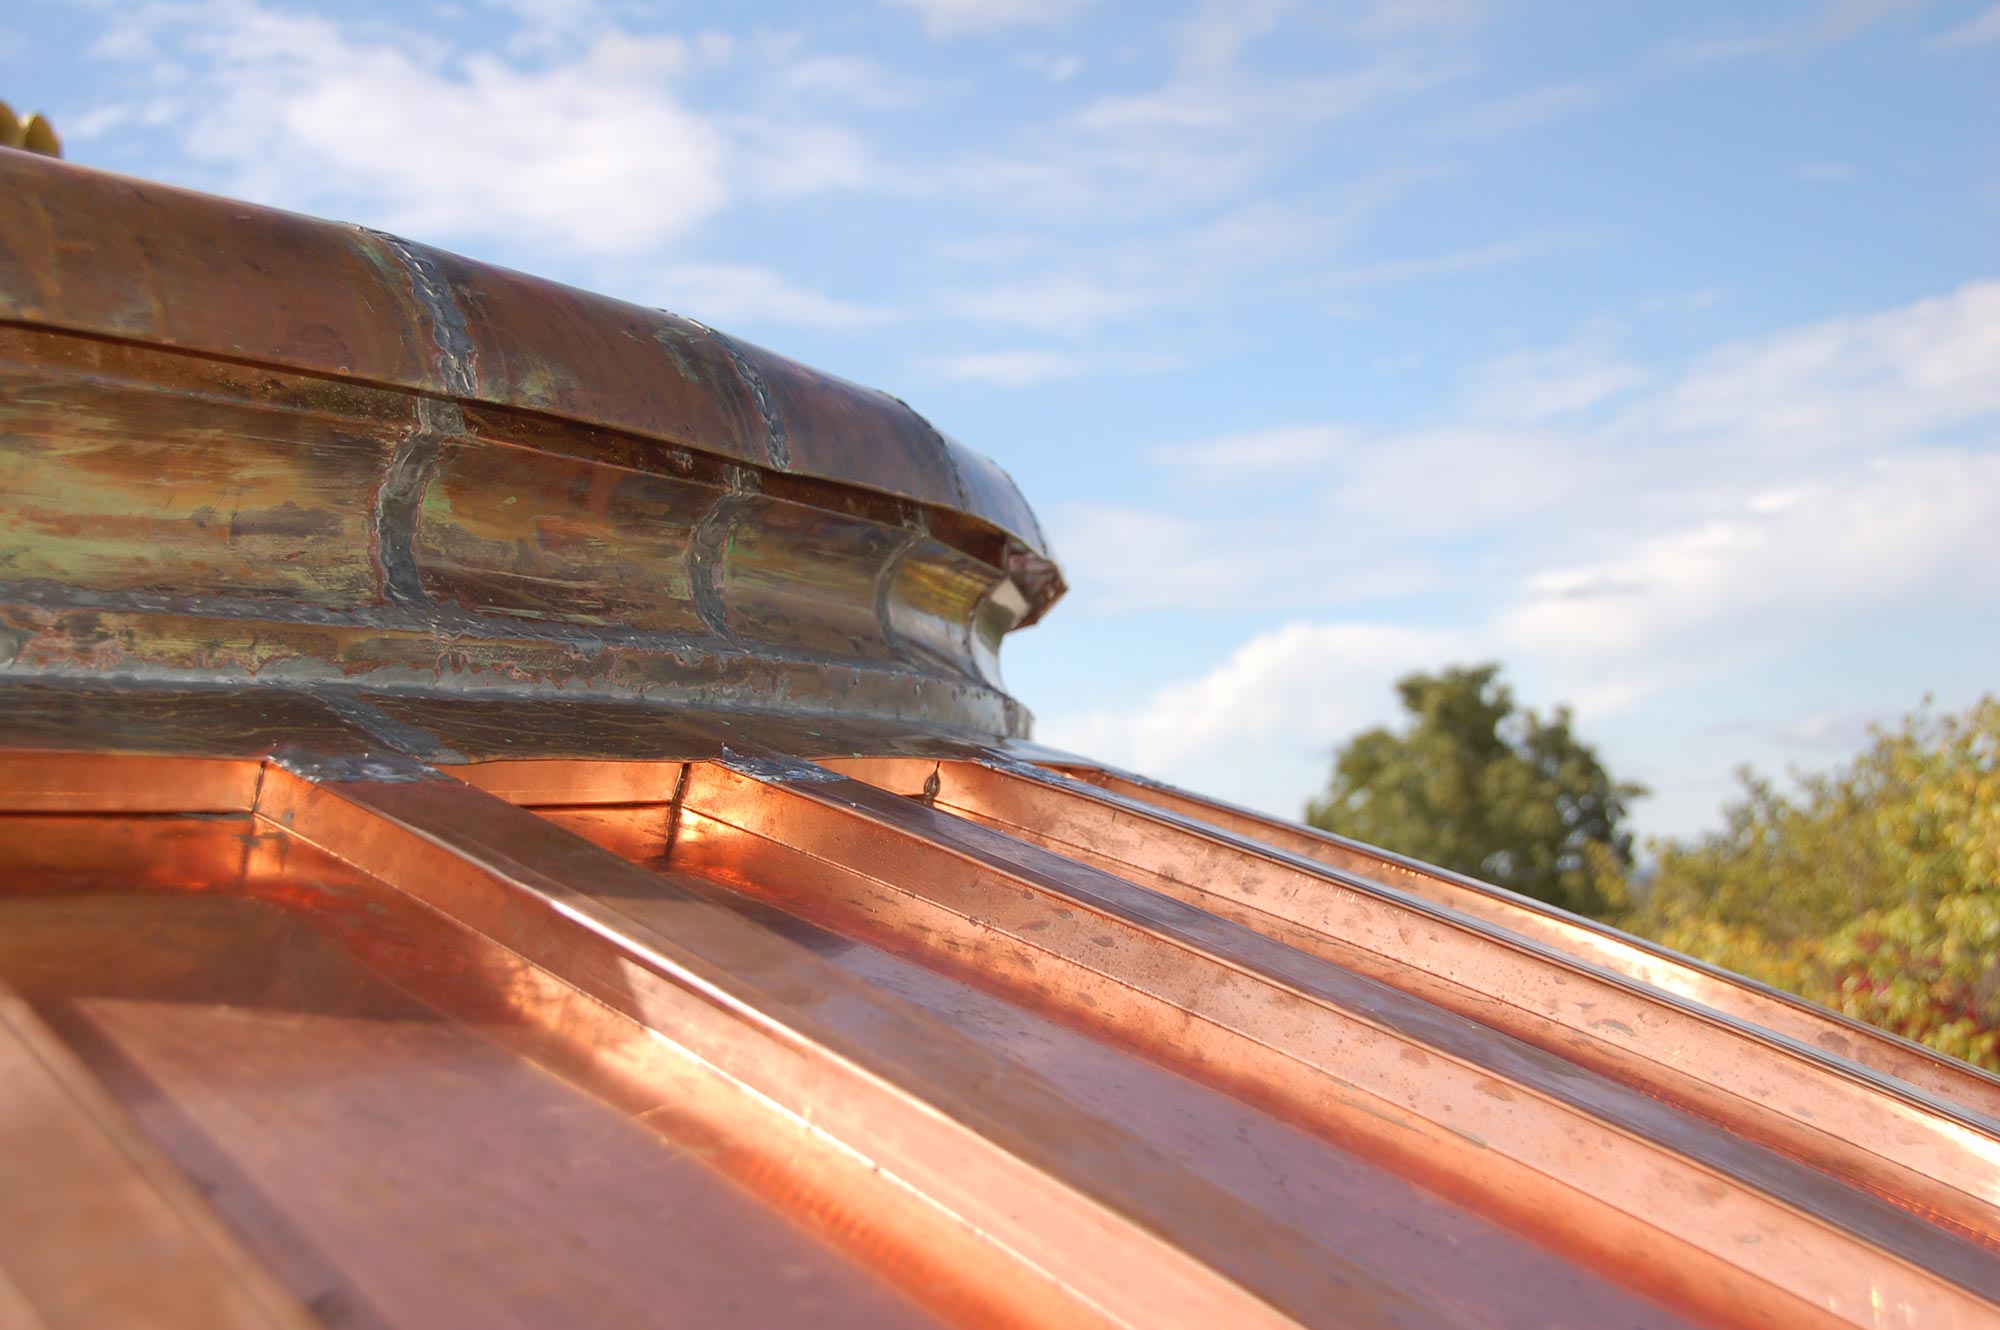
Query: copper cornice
{"x": 247, "y": 445}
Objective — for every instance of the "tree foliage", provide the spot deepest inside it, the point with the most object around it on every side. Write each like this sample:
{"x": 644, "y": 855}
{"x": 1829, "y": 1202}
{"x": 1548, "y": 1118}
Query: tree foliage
{"x": 1874, "y": 890}
{"x": 1476, "y": 785}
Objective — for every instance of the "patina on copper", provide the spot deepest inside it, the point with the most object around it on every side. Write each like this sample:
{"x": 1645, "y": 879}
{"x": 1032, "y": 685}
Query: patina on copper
{"x": 510, "y": 816}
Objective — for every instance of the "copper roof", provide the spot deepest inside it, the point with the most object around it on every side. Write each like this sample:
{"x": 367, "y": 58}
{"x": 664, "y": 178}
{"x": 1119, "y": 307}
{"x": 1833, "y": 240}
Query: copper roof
{"x": 512, "y": 818}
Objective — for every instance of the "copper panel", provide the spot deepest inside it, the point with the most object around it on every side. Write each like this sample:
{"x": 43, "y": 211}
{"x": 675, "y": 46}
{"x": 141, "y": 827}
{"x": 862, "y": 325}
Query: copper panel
{"x": 991, "y": 491}
{"x": 1927, "y": 1155}
{"x": 342, "y": 1076}
{"x": 186, "y": 646}
{"x": 934, "y": 599}
{"x": 1613, "y": 1177}
{"x": 805, "y": 579}
{"x": 506, "y": 531}
{"x": 118, "y": 487}
{"x": 612, "y": 730}
{"x": 32, "y": 782}
{"x": 551, "y": 348}
{"x": 78, "y": 1182}
{"x": 572, "y": 782}
{"x": 1745, "y": 998}
{"x": 192, "y": 520}
{"x": 826, "y": 426}
{"x": 952, "y": 969}
{"x": 1331, "y": 1207}
{"x": 100, "y": 253}
{"x": 767, "y": 1016}
{"x": 112, "y": 716}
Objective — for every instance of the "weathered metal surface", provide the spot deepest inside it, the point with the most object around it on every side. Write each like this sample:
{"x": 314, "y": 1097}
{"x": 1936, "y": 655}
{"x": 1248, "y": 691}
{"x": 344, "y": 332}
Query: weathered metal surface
{"x": 107, "y": 256}
{"x": 509, "y": 816}
{"x": 187, "y": 517}
{"x": 1698, "y": 982}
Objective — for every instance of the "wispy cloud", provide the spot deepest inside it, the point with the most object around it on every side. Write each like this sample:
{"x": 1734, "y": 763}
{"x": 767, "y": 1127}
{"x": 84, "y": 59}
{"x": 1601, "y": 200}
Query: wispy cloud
{"x": 1683, "y": 302}
{"x": 597, "y": 152}
{"x": 1828, "y": 24}
{"x": 1518, "y": 112}
{"x": 1768, "y": 493}
{"x": 1025, "y": 367}
{"x": 1982, "y": 29}
{"x": 1216, "y": 122}
{"x": 1468, "y": 259}
{"x": 1536, "y": 384}
{"x": 968, "y": 18}
{"x": 1286, "y": 448}
{"x": 746, "y": 295}
{"x": 1284, "y": 696}
{"x": 583, "y": 136}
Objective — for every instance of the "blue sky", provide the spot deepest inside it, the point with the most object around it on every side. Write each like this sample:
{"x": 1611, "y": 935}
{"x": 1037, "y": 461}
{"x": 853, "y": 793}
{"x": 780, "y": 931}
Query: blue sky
{"x": 1653, "y": 350}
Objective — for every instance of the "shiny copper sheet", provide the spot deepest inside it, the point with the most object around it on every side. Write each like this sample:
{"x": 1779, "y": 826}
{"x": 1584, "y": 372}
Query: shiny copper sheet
{"x": 740, "y": 1038}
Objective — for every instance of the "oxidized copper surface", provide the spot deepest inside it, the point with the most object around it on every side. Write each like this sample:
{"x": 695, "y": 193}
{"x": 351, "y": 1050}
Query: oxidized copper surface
{"x": 509, "y": 816}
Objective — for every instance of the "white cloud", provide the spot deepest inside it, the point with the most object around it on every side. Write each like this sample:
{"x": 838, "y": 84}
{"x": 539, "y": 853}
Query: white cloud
{"x": 1766, "y": 498}
{"x": 1125, "y": 560}
{"x": 1520, "y": 112}
{"x": 1532, "y": 385}
{"x": 1397, "y": 18}
{"x": 1287, "y": 448}
{"x": 1213, "y": 125}
{"x": 729, "y": 294}
{"x": 843, "y": 79}
{"x": 568, "y": 132}
{"x": 1281, "y": 701}
{"x": 1684, "y": 302}
{"x": 1451, "y": 263}
{"x": 1827, "y": 25}
{"x": 1982, "y": 29}
{"x": 1236, "y": 255}
{"x": 1823, "y": 173}
{"x": 1053, "y": 302}
{"x": 1779, "y": 568}
{"x": 1054, "y": 68}
{"x": 961, "y": 18}
{"x": 778, "y": 157}
{"x": 597, "y": 153}
{"x": 1026, "y": 367}
{"x": 1843, "y": 384}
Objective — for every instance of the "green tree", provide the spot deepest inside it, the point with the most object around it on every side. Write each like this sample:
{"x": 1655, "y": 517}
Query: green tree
{"x": 1477, "y": 785}
{"x": 1874, "y": 889}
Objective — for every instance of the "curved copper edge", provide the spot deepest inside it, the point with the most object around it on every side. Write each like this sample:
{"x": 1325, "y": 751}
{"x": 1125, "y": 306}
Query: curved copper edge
{"x": 177, "y": 517}
{"x": 1825, "y": 1032}
{"x": 114, "y": 257}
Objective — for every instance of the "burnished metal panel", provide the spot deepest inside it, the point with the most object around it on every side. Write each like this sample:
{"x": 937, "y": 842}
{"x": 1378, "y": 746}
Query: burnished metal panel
{"x": 132, "y": 473}
{"x": 1930, "y": 1154}
{"x": 100, "y": 254}
{"x": 1752, "y": 1002}
{"x": 97, "y": 1225}
{"x": 95, "y": 253}
{"x": 195, "y": 519}
{"x": 506, "y": 531}
{"x": 536, "y": 344}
